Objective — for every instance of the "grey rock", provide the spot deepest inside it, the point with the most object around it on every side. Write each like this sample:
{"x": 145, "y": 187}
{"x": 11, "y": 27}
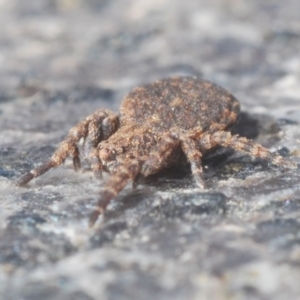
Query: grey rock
{"x": 239, "y": 239}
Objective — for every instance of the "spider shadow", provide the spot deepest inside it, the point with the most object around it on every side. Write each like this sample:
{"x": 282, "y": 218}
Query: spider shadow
{"x": 247, "y": 126}
{"x": 129, "y": 200}
{"x": 175, "y": 177}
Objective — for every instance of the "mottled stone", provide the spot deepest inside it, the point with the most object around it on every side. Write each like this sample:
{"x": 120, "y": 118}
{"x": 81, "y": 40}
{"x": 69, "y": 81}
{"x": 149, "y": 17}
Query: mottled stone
{"x": 62, "y": 60}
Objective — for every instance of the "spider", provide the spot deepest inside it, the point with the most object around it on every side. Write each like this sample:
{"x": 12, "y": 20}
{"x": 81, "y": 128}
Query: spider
{"x": 157, "y": 123}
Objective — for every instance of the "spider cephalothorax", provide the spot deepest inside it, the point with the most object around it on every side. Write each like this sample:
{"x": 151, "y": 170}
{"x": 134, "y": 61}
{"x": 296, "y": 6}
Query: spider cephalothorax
{"x": 157, "y": 123}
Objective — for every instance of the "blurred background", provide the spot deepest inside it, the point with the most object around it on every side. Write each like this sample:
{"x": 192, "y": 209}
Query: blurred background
{"x": 60, "y": 60}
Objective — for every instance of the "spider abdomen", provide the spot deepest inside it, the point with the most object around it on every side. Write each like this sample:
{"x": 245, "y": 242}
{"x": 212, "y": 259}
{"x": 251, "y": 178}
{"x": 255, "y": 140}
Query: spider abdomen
{"x": 183, "y": 102}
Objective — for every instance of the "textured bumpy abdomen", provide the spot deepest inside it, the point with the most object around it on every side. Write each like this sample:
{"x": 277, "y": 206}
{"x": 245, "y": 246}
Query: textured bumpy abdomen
{"x": 184, "y": 102}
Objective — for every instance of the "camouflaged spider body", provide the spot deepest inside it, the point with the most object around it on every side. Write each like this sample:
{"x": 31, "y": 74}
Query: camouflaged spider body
{"x": 157, "y": 123}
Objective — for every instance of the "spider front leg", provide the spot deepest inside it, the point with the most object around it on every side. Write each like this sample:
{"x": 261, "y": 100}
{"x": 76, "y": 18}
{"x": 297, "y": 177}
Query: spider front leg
{"x": 100, "y": 128}
{"x": 127, "y": 170}
{"x": 226, "y": 139}
{"x": 92, "y": 131}
{"x": 162, "y": 156}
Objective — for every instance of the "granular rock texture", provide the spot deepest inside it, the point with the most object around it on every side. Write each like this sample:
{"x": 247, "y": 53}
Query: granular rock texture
{"x": 238, "y": 239}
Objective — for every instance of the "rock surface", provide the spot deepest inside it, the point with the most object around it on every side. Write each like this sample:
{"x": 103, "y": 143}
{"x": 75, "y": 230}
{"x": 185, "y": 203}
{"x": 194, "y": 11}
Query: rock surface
{"x": 239, "y": 239}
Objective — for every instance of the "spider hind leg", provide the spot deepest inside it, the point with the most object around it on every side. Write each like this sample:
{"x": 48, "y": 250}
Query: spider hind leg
{"x": 226, "y": 139}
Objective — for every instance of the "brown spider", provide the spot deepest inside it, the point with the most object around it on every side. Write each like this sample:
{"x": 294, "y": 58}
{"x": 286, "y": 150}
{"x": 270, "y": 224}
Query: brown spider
{"x": 157, "y": 123}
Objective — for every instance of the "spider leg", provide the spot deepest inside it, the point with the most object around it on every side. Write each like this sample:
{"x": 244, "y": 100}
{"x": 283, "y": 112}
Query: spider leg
{"x": 161, "y": 156}
{"x": 100, "y": 128}
{"x": 115, "y": 184}
{"x": 226, "y": 139}
{"x": 68, "y": 147}
{"x": 194, "y": 157}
